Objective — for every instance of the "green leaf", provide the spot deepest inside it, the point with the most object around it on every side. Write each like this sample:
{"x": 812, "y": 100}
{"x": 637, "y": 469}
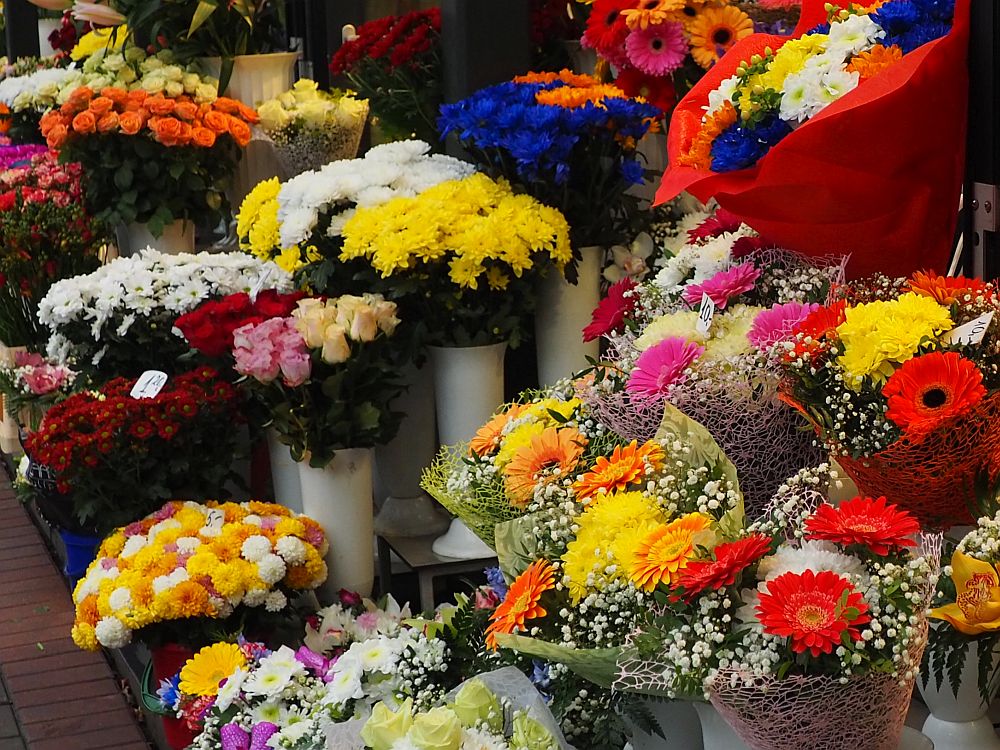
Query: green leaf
{"x": 516, "y": 544}
{"x": 123, "y": 177}
{"x": 598, "y": 665}
{"x": 201, "y": 14}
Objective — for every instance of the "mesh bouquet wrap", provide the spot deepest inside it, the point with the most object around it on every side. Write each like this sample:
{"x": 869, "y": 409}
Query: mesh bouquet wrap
{"x": 815, "y": 199}
{"x": 308, "y": 149}
{"x": 936, "y": 478}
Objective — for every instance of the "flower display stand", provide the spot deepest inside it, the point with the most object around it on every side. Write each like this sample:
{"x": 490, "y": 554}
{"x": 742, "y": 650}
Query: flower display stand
{"x": 284, "y": 473}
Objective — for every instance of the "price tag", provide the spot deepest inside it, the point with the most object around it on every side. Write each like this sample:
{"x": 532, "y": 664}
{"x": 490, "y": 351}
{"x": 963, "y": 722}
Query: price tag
{"x": 214, "y": 518}
{"x": 149, "y": 384}
{"x": 258, "y": 287}
{"x": 705, "y": 314}
{"x": 970, "y": 333}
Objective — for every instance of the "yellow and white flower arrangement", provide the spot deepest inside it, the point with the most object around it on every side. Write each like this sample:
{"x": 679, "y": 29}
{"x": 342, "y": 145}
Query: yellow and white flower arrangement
{"x": 191, "y": 560}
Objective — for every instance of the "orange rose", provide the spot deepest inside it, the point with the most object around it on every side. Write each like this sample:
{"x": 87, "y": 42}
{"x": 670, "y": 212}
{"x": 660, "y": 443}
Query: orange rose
{"x": 135, "y": 99}
{"x": 203, "y": 137}
{"x": 186, "y": 110}
{"x": 130, "y": 123}
{"x": 49, "y": 120}
{"x": 167, "y": 130}
{"x": 107, "y": 122}
{"x": 240, "y": 131}
{"x": 118, "y": 96}
{"x": 85, "y": 122}
{"x": 227, "y": 105}
{"x": 101, "y": 105}
{"x": 5, "y": 119}
{"x": 77, "y": 101}
{"x": 249, "y": 114}
{"x": 185, "y": 137}
{"x": 217, "y": 122}
{"x": 159, "y": 105}
{"x": 57, "y": 135}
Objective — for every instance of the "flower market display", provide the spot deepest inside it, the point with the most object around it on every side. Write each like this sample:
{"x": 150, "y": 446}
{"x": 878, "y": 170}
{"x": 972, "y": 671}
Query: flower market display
{"x": 898, "y": 376}
{"x": 31, "y": 384}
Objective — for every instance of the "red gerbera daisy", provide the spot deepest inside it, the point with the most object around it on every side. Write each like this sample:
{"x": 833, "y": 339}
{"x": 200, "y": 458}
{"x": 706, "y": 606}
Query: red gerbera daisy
{"x": 610, "y": 313}
{"x": 731, "y": 559}
{"x": 815, "y": 610}
{"x": 823, "y": 321}
{"x": 930, "y": 390}
{"x": 723, "y": 221}
{"x": 873, "y": 523}
{"x": 606, "y": 29}
{"x": 947, "y": 289}
{"x": 657, "y": 90}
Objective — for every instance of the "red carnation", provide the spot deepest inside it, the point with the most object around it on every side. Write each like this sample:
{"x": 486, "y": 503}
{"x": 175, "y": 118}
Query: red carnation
{"x": 731, "y": 559}
{"x": 610, "y": 314}
{"x": 272, "y": 304}
{"x": 880, "y": 527}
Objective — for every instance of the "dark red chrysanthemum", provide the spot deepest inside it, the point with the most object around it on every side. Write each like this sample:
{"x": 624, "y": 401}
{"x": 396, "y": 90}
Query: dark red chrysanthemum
{"x": 872, "y": 523}
{"x": 731, "y": 559}
{"x": 610, "y": 314}
{"x": 723, "y": 221}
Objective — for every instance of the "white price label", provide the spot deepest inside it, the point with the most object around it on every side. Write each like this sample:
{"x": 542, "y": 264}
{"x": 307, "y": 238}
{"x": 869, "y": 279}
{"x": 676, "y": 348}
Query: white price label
{"x": 258, "y": 287}
{"x": 970, "y": 333}
{"x": 705, "y": 314}
{"x": 214, "y": 518}
{"x": 149, "y": 384}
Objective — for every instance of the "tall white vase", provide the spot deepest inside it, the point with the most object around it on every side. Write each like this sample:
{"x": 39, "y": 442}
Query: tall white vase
{"x": 256, "y": 78}
{"x": 679, "y": 723}
{"x": 959, "y": 722}
{"x": 177, "y": 237}
{"x": 407, "y": 510}
{"x": 45, "y": 28}
{"x": 562, "y": 312}
{"x": 284, "y": 473}
{"x": 339, "y": 498}
{"x": 468, "y": 388}
{"x": 716, "y": 734}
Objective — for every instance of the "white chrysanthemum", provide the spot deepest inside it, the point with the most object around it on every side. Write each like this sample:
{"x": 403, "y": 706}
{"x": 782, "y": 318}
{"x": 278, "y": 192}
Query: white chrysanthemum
{"x": 230, "y": 689}
{"x": 255, "y": 597}
{"x": 478, "y": 739}
{"x": 271, "y": 569}
{"x": 379, "y": 654}
{"x": 344, "y": 686}
{"x": 722, "y": 94}
{"x": 187, "y": 544}
{"x": 253, "y": 520}
{"x": 266, "y": 711}
{"x": 112, "y": 633}
{"x": 811, "y": 555}
{"x": 120, "y": 598}
{"x": 854, "y": 34}
{"x": 275, "y": 601}
{"x": 291, "y": 549}
{"x": 269, "y": 679}
{"x": 255, "y": 548}
{"x": 405, "y": 743}
{"x": 132, "y": 545}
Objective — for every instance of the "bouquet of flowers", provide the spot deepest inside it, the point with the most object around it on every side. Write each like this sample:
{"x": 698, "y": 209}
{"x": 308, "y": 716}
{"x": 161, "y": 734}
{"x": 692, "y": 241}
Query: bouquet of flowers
{"x": 119, "y": 318}
{"x": 568, "y": 140}
{"x": 755, "y": 131}
{"x": 713, "y": 360}
{"x": 46, "y": 234}
{"x": 117, "y": 457}
{"x": 310, "y": 128}
{"x": 300, "y": 222}
{"x": 191, "y": 569}
{"x": 151, "y": 159}
{"x": 967, "y": 599}
{"x": 463, "y": 254}
{"x": 32, "y": 385}
{"x": 395, "y": 63}
{"x": 805, "y": 629}
{"x": 899, "y": 377}
{"x": 326, "y": 373}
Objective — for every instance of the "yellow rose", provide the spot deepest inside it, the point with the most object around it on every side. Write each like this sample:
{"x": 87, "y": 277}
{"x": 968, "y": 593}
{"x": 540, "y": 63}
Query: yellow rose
{"x": 476, "y": 704}
{"x": 438, "y": 729}
{"x": 336, "y": 349}
{"x": 386, "y": 726}
{"x": 272, "y": 115}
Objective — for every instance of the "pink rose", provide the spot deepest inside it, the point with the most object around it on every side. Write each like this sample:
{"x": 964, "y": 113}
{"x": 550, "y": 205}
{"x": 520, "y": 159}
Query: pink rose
{"x": 28, "y": 359}
{"x": 44, "y": 378}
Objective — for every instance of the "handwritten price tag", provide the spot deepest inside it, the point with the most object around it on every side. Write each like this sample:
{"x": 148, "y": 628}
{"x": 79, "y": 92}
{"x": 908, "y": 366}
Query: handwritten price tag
{"x": 970, "y": 333}
{"x": 258, "y": 287}
{"x": 705, "y": 314}
{"x": 214, "y": 518}
{"x": 149, "y": 384}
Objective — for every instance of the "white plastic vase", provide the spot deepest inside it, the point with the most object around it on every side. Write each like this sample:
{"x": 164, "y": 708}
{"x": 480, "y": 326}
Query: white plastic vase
{"x": 562, "y": 311}
{"x": 406, "y": 510}
{"x": 45, "y": 28}
{"x": 679, "y": 723}
{"x": 284, "y": 473}
{"x": 177, "y": 237}
{"x": 959, "y": 722}
{"x": 468, "y": 388}
{"x": 339, "y": 498}
{"x": 716, "y": 734}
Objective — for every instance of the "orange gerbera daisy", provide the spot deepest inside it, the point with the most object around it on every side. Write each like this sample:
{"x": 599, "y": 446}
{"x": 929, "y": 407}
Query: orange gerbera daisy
{"x": 652, "y": 13}
{"x": 699, "y": 154}
{"x": 715, "y": 30}
{"x": 946, "y": 289}
{"x": 488, "y": 436}
{"x": 522, "y": 601}
{"x": 554, "y": 448}
{"x": 872, "y": 62}
{"x": 626, "y": 466}
{"x": 666, "y": 551}
{"x": 927, "y": 391}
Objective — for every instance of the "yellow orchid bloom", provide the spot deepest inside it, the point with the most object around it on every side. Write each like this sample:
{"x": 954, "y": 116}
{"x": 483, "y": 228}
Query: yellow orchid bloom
{"x": 977, "y": 606}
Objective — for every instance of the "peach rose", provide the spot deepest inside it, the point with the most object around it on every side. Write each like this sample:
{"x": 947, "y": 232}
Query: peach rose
{"x": 203, "y": 137}
{"x": 85, "y": 122}
{"x": 57, "y": 135}
{"x": 249, "y": 114}
{"x": 159, "y": 105}
{"x": 167, "y": 130}
{"x": 240, "y": 131}
{"x": 101, "y": 105}
{"x": 107, "y": 122}
{"x": 117, "y": 95}
{"x": 217, "y": 122}
{"x": 130, "y": 123}
{"x": 186, "y": 110}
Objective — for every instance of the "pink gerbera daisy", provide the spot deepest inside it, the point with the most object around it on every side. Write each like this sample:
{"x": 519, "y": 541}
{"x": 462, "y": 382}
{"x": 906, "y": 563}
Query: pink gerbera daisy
{"x": 662, "y": 366}
{"x": 724, "y": 285}
{"x": 657, "y": 50}
{"x": 778, "y": 323}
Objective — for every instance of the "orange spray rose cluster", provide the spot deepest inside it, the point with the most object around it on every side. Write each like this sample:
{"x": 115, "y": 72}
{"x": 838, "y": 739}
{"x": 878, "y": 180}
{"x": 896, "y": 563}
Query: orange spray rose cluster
{"x": 171, "y": 121}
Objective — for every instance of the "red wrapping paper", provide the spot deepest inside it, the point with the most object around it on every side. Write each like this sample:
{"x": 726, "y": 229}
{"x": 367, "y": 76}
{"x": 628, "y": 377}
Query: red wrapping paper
{"x": 877, "y": 174}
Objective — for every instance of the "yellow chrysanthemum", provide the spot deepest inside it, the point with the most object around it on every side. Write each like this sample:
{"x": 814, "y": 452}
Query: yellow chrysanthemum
{"x": 518, "y": 438}
{"x": 113, "y": 544}
{"x": 204, "y": 671}
{"x": 791, "y": 58}
{"x": 228, "y": 579}
{"x": 672, "y": 324}
{"x": 85, "y": 637}
{"x": 202, "y": 563}
{"x": 729, "y": 333}
{"x": 111, "y": 38}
